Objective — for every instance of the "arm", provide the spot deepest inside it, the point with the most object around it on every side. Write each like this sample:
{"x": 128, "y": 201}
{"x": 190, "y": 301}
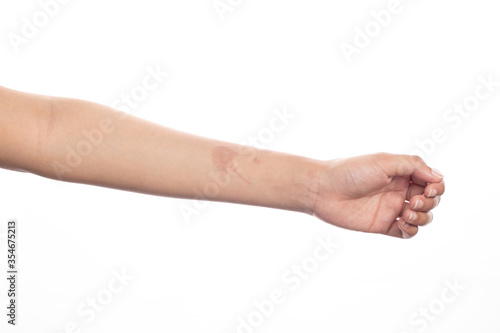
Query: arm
{"x": 84, "y": 142}
{"x": 22, "y": 120}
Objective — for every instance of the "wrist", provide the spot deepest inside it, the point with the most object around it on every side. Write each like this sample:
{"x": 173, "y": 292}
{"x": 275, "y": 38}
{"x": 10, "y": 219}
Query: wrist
{"x": 307, "y": 181}
{"x": 276, "y": 180}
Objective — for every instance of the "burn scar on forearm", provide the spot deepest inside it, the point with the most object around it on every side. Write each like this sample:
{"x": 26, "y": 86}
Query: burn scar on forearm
{"x": 224, "y": 160}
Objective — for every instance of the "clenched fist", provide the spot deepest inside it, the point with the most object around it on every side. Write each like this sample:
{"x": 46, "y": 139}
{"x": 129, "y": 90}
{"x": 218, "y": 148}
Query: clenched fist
{"x": 380, "y": 193}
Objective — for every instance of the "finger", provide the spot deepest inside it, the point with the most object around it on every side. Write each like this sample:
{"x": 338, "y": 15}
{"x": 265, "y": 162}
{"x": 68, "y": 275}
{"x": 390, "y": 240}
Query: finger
{"x": 409, "y": 165}
{"x": 434, "y": 189}
{"x": 418, "y": 181}
{"x": 394, "y": 230}
{"x": 401, "y": 229}
{"x": 417, "y": 218}
{"x": 413, "y": 190}
{"x": 407, "y": 230}
{"x": 406, "y": 206}
{"x": 421, "y": 203}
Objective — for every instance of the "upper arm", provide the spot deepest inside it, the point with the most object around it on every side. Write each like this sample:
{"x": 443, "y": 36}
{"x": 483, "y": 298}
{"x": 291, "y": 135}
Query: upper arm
{"x": 25, "y": 121}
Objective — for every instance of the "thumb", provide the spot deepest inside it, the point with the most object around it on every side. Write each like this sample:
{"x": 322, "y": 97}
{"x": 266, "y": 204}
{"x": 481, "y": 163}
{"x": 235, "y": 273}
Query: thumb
{"x": 410, "y": 165}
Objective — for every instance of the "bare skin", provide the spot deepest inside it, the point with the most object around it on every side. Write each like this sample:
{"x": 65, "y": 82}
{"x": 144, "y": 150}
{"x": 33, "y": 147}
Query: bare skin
{"x": 83, "y": 142}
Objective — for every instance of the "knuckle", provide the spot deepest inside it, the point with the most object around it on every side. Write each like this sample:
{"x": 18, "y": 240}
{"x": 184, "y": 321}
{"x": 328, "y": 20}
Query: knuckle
{"x": 382, "y": 155}
{"x": 417, "y": 159}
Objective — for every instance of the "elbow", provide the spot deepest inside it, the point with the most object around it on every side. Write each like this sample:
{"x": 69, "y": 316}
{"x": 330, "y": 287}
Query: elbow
{"x": 45, "y": 138}
{"x": 25, "y": 123}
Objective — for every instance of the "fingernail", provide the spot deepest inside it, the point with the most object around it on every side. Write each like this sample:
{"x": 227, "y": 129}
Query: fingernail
{"x": 412, "y": 216}
{"x": 432, "y": 193}
{"x": 403, "y": 233}
{"x": 431, "y": 217}
{"x": 418, "y": 204}
{"x": 437, "y": 173}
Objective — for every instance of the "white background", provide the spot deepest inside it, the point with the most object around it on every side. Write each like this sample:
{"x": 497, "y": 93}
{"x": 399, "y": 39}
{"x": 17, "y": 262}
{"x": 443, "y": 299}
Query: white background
{"x": 225, "y": 78}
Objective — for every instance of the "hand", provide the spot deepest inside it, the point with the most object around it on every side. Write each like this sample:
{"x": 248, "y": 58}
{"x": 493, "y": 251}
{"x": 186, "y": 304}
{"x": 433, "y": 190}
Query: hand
{"x": 379, "y": 193}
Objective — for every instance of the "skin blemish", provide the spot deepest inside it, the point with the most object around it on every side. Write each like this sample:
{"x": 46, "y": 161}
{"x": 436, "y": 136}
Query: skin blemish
{"x": 223, "y": 159}
{"x": 256, "y": 160}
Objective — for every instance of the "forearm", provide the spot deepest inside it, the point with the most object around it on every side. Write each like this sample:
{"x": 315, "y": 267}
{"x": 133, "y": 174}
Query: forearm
{"x": 93, "y": 144}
